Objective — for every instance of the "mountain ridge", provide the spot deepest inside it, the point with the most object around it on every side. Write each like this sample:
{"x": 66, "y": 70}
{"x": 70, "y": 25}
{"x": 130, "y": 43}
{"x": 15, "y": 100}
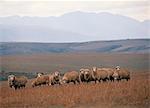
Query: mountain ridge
{"x": 74, "y": 26}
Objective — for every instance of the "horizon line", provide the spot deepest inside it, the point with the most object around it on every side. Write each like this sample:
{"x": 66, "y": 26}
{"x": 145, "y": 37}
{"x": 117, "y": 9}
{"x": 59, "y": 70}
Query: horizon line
{"x": 74, "y": 42}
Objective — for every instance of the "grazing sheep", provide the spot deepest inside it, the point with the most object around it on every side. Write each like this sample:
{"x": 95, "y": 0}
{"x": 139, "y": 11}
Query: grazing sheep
{"x": 72, "y": 76}
{"x": 120, "y": 74}
{"x": 100, "y": 74}
{"x": 42, "y": 80}
{"x": 17, "y": 82}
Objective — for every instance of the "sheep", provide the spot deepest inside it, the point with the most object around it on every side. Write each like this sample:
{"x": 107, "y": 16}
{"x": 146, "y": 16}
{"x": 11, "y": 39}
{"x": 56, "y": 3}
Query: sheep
{"x": 110, "y": 72}
{"x": 121, "y": 73}
{"x": 81, "y": 75}
{"x": 42, "y": 80}
{"x": 100, "y": 74}
{"x": 17, "y": 82}
{"x": 54, "y": 78}
{"x": 88, "y": 75}
{"x": 40, "y": 74}
{"x": 72, "y": 76}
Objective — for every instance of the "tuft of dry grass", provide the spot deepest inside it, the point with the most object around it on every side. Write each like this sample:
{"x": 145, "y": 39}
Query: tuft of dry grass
{"x": 132, "y": 94}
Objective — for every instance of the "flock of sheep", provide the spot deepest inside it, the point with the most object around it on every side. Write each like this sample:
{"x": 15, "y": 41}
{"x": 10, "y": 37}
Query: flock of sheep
{"x": 84, "y": 75}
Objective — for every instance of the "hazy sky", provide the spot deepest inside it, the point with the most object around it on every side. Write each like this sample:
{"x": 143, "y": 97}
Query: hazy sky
{"x": 137, "y": 9}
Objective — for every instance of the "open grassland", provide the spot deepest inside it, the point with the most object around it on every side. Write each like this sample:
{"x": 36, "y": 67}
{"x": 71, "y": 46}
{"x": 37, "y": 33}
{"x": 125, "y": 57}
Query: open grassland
{"x": 73, "y": 61}
{"x": 132, "y": 94}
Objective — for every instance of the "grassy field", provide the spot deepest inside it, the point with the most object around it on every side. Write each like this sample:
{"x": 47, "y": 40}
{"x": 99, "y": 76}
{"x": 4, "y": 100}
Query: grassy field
{"x": 132, "y": 94}
{"x": 72, "y": 61}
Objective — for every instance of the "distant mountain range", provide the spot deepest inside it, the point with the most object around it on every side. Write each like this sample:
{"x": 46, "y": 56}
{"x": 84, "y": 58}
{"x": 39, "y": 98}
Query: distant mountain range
{"x": 122, "y": 46}
{"x": 72, "y": 27}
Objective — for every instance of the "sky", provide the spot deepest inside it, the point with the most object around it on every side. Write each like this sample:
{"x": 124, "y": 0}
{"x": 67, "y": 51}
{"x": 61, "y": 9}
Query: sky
{"x": 137, "y": 9}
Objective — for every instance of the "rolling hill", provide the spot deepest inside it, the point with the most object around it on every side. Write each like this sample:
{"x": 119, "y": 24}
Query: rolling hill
{"x": 121, "y": 46}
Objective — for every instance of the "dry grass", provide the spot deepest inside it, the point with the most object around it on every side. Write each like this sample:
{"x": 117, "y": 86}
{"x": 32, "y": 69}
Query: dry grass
{"x": 132, "y": 94}
{"x": 72, "y": 61}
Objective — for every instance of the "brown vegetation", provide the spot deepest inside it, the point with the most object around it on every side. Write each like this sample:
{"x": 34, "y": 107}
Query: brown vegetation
{"x": 64, "y": 62}
{"x": 134, "y": 93}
